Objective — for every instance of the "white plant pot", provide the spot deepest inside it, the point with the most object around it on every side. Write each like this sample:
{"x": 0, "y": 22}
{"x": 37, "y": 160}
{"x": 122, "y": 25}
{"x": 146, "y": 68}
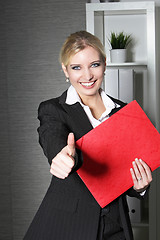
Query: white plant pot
{"x": 118, "y": 55}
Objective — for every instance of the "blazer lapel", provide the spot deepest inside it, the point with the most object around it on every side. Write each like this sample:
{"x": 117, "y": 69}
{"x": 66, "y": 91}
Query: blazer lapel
{"x": 78, "y": 115}
{"x": 114, "y": 110}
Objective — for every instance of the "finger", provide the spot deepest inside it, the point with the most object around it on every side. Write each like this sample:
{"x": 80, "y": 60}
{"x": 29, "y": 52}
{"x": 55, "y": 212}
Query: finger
{"x": 137, "y": 170}
{"x": 59, "y": 169}
{"x": 71, "y": 144}
{"x": 141, "y": 169}
{"x": 58, "y": 173}
{"x": 68, "y": 161}
{"x": 147, "y": 170}
{"x": 137, "y": 184}
{"x": 61, "y": 162}
{"x": 133, "y": 176}
{"x": 144, "y": 171}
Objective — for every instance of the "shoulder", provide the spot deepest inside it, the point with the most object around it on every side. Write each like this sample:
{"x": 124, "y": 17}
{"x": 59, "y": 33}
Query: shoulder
{"x": 52, "y": 103}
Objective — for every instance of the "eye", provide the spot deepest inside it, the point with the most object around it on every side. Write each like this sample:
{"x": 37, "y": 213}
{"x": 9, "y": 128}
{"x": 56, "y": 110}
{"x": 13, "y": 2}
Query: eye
{"x": 96, "y": 64}
{"x": 76, "y": 67}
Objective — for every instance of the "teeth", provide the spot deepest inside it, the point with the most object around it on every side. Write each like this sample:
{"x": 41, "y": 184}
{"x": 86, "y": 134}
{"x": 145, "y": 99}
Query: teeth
{"x": 87, "y": 84}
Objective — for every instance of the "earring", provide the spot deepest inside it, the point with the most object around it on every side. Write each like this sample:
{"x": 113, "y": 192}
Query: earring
{"x": 67, "y": 79}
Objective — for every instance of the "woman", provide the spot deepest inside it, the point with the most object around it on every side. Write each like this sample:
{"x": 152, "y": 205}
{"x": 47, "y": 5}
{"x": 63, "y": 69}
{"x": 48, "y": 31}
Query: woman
{"x": 69, "y": 211}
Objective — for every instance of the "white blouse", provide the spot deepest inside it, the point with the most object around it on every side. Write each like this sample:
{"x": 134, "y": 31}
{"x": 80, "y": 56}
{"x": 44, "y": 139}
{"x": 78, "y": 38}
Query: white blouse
{"x": 73, "y": 97}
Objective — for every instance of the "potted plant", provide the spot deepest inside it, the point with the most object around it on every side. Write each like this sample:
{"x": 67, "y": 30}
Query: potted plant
{"x": 119, "y": 43}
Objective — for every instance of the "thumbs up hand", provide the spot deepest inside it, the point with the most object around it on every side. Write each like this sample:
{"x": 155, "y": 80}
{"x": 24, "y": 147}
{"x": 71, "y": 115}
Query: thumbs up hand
{"x": 63, "y": 162}
{"x": 71, "y": 145}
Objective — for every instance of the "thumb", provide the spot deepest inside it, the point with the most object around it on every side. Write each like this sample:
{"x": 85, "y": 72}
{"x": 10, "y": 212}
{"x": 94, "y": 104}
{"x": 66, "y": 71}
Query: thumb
{"x": 71, "y": 144}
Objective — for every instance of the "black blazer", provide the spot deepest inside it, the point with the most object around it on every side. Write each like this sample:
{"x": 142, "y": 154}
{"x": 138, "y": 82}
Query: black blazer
{"x": 68, "y": 210}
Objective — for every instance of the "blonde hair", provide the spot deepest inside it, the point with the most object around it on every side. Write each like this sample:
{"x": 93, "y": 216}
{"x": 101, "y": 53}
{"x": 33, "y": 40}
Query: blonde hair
{"x": 78, "y": 41}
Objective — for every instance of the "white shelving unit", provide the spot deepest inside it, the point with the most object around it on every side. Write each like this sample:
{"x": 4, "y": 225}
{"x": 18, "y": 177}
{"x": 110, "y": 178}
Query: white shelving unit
{"x": 139, "y": 20}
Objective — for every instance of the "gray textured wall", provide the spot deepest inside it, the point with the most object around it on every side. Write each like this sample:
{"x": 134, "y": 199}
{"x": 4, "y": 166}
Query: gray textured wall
{"x": 31, "y": 34}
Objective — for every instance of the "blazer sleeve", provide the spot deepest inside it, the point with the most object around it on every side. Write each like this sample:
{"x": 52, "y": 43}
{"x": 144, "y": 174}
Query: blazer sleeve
{"x": 53, "y": 131}
{"x": 133, "y": 193}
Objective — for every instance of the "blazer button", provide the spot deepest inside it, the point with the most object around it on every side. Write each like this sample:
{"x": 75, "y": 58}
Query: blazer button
{"x": 105, "y": 210}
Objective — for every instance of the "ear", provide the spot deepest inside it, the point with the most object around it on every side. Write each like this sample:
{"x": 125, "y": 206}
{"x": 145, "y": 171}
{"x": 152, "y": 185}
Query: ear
{"x": 104, "y": 68}
{"x": 65, "y": 70}
{"x": 105, "y": 65}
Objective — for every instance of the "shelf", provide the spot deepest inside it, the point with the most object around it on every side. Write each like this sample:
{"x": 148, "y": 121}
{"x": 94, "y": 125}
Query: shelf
{"x": 126, "y": 64}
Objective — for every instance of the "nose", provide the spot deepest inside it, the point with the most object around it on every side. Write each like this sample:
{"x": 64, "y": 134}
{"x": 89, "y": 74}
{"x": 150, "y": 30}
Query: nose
{"x": 88, "y": 75}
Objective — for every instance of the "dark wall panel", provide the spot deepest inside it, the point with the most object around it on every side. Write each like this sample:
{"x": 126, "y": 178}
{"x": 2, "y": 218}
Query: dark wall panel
{"x": 34, "y": 32}
{"x": 5, "y": 170}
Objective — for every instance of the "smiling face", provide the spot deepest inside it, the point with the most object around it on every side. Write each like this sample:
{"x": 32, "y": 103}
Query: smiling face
{"x": 85, "y": 71}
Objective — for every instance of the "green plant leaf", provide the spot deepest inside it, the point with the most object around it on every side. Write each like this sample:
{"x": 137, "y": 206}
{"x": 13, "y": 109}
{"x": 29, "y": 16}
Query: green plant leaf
{"x": 119, "y": 41}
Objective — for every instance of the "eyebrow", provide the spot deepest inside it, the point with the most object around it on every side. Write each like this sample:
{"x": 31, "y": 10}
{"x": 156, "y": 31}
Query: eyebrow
{"x": 76, "y": 64}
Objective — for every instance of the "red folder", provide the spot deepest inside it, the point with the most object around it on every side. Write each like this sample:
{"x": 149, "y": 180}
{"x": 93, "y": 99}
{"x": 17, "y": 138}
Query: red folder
{"x": 109, "y": 149}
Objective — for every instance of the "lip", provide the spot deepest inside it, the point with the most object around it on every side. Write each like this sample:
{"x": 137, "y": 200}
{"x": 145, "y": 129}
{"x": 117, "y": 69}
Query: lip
{"x": 88, "y": 85}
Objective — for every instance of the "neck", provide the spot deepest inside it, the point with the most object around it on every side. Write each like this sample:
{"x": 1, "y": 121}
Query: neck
{"x": 96, "y": 105}
{"x": 91, "y": 101}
